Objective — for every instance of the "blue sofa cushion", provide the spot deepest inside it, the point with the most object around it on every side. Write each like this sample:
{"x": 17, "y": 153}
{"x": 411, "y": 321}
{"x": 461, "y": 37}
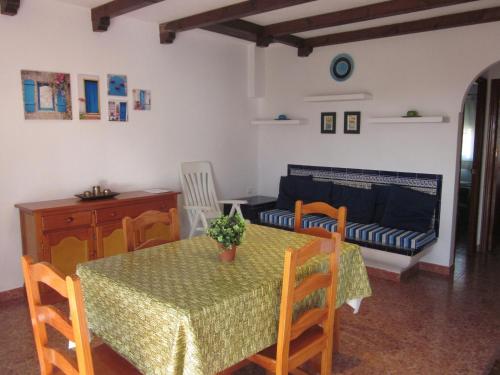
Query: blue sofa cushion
{"x": 382, "y": 193}
{"x": 313, "y": 191}
{"x": 360, "y": 203}
{"x": 407, "y": 242}
{"x": 409, "y": 209}
{"x": 293, "y": 188}
{"x": 288, "y": 191}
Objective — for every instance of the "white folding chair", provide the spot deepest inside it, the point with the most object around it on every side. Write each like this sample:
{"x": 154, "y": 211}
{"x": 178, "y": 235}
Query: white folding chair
{"x": 200, "y": 198}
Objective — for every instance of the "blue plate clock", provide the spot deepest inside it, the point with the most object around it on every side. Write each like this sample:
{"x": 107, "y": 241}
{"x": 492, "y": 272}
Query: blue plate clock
{"x": 341, "y": 67}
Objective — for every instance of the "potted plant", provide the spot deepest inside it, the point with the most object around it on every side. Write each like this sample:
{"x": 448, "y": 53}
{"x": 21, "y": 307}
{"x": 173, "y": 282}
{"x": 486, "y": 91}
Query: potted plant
{"x": 228, "y": 232}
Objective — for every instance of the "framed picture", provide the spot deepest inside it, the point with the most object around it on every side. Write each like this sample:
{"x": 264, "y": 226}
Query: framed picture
{"x": 142, "y": 99}
{"x": 328, "y": 122}
{"x": 46, "y": 95}
{"x": 117, "y": 85}
{"x": 118, "y": 111}
{"x": 88, "y": 97}
{"x": 352, "y": 122}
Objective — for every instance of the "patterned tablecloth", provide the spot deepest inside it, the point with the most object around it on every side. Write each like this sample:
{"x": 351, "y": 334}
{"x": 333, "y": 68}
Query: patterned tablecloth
{"x": 176, "y": 309}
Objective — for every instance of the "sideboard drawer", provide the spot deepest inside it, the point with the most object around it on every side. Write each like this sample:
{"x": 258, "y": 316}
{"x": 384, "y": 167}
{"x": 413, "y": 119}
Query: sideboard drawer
{"x": 118, "y": 213}
{"x": 69, "y": 220}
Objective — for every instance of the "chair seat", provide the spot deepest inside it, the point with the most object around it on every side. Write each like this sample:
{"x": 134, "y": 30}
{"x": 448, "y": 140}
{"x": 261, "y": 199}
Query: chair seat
{"x": 267, "y": 357}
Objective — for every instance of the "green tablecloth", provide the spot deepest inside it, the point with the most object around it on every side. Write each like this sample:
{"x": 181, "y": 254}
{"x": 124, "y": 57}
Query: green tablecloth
{"x": 176, "y": 309}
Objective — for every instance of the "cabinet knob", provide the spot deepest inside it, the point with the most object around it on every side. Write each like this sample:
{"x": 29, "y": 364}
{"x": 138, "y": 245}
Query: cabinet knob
{"x": 112, "y": 214}
{"x": 69, "y": 219}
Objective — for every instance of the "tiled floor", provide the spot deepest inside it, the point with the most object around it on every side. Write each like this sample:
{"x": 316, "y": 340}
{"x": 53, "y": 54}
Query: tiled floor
{"x": 427, "y": 325}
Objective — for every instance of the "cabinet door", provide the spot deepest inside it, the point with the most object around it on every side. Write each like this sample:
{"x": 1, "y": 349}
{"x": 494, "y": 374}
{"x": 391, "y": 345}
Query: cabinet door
{"x": 67, "y": 248}
{"x": 110, "y": 240}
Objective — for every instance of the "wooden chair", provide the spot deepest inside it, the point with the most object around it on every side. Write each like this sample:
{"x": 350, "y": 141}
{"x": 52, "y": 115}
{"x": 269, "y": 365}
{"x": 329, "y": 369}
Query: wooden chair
{"x": 339, "y": 214}
{"x": 312, "y": 333}
{"x": 134, "y": 229}
{"x": 100, "y": 360}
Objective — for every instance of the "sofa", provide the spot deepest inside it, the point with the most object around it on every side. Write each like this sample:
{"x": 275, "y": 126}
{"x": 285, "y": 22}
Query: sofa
{"x": 394, "y": 216}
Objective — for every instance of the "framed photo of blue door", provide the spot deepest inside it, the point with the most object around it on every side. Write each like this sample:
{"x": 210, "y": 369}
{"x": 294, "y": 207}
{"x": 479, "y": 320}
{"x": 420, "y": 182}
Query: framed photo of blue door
{"x": 118, "y": 111}
{"x": 88, "y": 97}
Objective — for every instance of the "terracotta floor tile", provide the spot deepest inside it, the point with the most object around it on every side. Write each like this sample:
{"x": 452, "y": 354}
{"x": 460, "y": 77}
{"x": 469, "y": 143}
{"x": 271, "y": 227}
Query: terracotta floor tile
{"x": 426, "y": 325}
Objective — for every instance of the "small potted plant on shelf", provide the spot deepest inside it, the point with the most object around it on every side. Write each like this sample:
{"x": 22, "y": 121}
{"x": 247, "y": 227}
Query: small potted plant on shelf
{"x": 228, "y": 232}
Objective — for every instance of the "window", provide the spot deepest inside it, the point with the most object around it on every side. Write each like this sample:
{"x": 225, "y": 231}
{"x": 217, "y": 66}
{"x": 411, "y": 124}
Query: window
{"x": 45, "y": 97}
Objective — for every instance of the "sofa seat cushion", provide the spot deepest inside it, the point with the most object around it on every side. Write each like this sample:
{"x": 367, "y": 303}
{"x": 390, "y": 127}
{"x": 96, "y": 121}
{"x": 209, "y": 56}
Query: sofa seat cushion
{"x": 409, "y": 242}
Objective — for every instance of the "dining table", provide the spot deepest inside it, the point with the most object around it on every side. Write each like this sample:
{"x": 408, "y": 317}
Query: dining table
{"x": 177, "y": 309}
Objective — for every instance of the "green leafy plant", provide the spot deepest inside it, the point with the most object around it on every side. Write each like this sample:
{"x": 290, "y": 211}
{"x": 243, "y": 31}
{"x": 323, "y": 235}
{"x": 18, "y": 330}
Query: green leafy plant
{"x": 227, "y": 230}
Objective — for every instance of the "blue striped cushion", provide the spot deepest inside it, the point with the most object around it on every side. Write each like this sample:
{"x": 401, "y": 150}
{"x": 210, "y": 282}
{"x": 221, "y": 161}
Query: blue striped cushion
{"x": 398, "y": 238}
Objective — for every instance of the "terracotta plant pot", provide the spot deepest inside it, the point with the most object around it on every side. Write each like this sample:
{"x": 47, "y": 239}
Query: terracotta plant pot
{"x": 227, "y": 255}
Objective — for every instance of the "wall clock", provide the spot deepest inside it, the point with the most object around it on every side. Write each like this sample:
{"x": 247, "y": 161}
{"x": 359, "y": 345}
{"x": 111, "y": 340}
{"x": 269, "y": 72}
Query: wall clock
{"x": 341, "y": 67}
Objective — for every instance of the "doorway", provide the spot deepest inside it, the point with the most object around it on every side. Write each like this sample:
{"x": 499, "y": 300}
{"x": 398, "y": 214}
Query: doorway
{"x": 490, "y": 235}
{"x": 474, "y": 114}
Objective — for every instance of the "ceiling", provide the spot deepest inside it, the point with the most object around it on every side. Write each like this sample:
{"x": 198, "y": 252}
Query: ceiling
{"x": 169, "y": 10}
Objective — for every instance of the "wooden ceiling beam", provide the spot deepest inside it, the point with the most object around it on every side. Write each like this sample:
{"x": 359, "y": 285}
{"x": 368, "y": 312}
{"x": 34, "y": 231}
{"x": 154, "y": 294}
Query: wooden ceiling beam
{"x": 359, "y": 14}
{"x": 101, "y": 15}
{"x": 428, "y": 24}
{"x": 224, "y": 14}
{"x": 253, "y": 33}
{"x": 9, "y": 7}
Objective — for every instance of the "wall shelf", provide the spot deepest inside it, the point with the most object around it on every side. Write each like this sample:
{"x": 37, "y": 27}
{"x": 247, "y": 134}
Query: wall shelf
{"x": 406, "y": 120}
{"x": 276, "y": 122}
{"x": 338, "y": 97}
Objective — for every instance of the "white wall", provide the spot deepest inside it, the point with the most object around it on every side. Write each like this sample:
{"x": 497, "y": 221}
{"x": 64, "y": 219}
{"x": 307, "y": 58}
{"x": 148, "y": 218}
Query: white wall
{"x": 199, "y": 111}
{"x": 429, "y": 72}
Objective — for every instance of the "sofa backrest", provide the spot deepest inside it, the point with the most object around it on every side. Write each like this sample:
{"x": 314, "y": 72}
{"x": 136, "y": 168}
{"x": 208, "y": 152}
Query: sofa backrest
{"x": 365, "y": 178}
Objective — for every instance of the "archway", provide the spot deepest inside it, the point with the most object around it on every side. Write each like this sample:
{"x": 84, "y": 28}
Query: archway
{"x": 478, "y": 210}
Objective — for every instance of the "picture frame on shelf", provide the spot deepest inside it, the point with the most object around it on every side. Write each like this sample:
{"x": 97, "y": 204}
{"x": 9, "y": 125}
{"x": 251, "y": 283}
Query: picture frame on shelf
{"x": 352, "y": 122}
{"x": 328, "y": 122}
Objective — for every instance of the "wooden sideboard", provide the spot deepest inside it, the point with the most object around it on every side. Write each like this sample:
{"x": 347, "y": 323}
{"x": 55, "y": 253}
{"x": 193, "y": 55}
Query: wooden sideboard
{"x": 66, "y": 232}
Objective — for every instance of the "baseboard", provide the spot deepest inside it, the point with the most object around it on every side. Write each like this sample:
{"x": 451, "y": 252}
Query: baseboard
{"x": 383, "y": 274}
{"x": 409, "y": 272}
{"x": 12, "y": 295}
{"x": 436, "y": 268}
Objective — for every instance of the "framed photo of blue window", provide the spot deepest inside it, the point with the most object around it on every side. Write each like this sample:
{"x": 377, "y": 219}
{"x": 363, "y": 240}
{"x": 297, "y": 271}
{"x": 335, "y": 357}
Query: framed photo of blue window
{"x": 46, "y": 95}
{"x": 88, "y": 97}
{"x": 117, "y": 85}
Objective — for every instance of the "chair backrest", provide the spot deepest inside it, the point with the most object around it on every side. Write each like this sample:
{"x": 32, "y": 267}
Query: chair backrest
{"x": 198, "y": 186}
{"x": 292, "y": 294}
{"x": 134, "y": 230}
{"x": 74, "y": 329}
{"x": 339, "y": 214}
